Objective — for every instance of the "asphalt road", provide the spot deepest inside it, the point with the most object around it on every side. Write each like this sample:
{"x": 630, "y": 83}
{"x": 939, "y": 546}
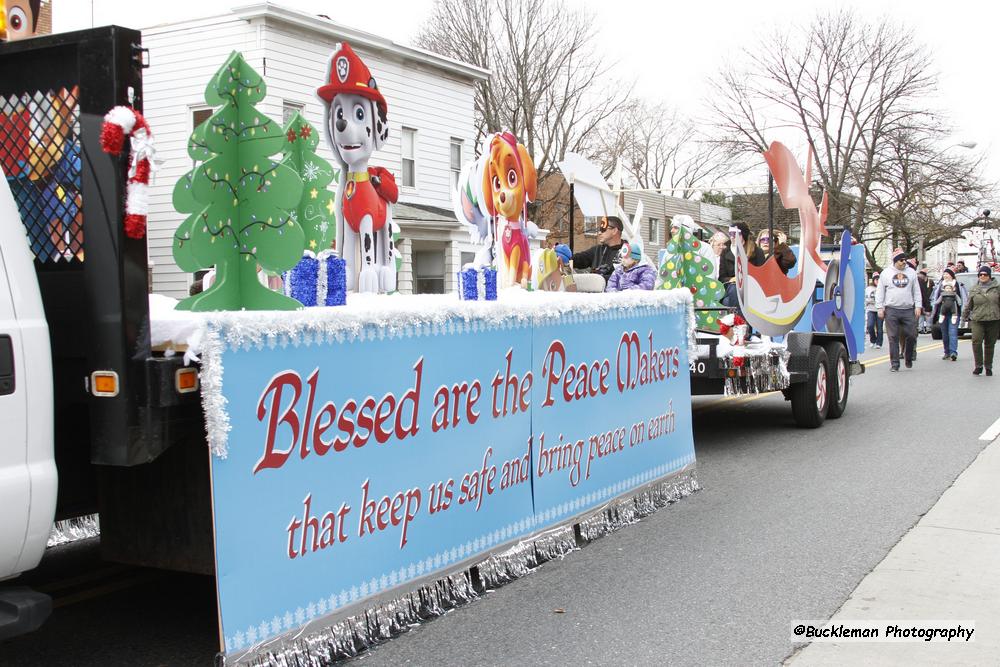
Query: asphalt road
{"x": 787, "y": 523}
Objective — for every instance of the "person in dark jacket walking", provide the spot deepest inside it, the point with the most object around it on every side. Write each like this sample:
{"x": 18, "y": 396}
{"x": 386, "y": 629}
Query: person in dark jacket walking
{"x": 600, "y": 258}
{"x": 926, "y": 288}
{"x": 984, "y": 315}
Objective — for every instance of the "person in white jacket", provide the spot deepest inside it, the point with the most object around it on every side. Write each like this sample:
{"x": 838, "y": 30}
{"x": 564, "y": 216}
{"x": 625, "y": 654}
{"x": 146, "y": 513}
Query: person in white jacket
{"x": 874, "y": 322}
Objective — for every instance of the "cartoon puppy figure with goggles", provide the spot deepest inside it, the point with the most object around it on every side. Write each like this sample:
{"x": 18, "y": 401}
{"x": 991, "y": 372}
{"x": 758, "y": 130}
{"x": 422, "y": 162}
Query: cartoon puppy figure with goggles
{"x": 357, "y": 126}
{"x": 509, "y": 184}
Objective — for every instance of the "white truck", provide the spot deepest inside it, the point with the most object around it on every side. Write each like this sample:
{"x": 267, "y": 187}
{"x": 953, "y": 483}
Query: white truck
{"x": 94, "y": 421}
{"x": 28, "y": 477}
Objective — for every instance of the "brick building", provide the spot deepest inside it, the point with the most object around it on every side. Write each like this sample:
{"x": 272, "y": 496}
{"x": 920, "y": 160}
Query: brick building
{"x": 658, "y": 210}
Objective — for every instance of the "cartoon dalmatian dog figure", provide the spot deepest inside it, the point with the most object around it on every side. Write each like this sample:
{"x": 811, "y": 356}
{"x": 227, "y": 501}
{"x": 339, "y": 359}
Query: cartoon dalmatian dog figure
{"x": 356, "y": 126}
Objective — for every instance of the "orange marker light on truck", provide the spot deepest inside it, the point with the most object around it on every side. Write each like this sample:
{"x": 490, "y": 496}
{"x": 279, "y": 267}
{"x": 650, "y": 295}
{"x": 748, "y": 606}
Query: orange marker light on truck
{"x": 186, "y": 380}
{"x": 104, "y": 383}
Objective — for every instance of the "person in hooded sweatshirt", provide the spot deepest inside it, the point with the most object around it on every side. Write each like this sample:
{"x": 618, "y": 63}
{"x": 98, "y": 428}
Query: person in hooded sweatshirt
{"x": 947, "y": 300}
{"x": 898, "y": 301}
{"x": 631, "y": 274}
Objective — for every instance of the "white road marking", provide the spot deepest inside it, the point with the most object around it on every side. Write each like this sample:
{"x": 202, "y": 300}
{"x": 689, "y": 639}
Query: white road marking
{"x": 990, "y": 434}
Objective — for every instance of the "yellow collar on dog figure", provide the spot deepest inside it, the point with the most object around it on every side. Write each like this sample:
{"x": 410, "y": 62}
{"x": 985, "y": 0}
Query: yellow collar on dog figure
{"x": 357, "y": 176}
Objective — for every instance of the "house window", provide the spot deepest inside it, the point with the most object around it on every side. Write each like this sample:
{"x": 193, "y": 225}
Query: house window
{"x": 654, "y": 230}
{"x": 467, "y": 258}
{"x": 591, "y": 225}
{"x": 288, "y": 109}
{"x": 455, "y": 157}
{"x": 409, "y": 158}
{"x": 428, "y": 272}
{"x": 199, "y": 116}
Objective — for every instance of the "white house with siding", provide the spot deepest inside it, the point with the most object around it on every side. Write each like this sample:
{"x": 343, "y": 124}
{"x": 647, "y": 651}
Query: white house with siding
{"x": 430, "y": 100}
{"x": 659, "y": 209}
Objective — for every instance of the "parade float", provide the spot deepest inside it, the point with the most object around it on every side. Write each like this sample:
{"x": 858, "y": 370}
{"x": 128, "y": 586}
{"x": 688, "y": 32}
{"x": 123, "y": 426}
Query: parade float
{"x": 800, "y": 333}
{"x": 384, "y": 447}
{"x": 344, "y": 460}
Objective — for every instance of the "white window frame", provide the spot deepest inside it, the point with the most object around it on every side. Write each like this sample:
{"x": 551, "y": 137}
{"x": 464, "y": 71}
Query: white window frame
{"x": 456, "y": 169}
{"x": 192, "y": 110}
{"x": 291, "y": 106}
{"x": 653, "y": 230}
{"x": 403, "y": 158}
{"x": 591, "y": 225}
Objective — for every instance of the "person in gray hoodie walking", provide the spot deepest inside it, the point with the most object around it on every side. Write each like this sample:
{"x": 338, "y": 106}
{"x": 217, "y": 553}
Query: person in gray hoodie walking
{"x": 898, "y": 301}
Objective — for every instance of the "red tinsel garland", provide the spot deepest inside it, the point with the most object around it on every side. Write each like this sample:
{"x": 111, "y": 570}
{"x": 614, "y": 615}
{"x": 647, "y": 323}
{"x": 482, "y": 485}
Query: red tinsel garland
{"x": 118, "y": 123}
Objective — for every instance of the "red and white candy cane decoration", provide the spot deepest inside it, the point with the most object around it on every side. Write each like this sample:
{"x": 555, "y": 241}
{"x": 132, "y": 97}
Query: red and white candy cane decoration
{"x": 118, "y": 123}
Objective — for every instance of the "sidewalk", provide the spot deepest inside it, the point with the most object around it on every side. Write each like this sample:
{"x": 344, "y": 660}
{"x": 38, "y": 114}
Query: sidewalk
{"x": 947, "y": 567}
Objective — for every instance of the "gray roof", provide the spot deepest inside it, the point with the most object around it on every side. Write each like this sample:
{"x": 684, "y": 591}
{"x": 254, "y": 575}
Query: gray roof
{"x": 422, "y": 213}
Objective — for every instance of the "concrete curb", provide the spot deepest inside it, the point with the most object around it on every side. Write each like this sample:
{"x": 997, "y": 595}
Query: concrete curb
{"x": 947, "y": 567}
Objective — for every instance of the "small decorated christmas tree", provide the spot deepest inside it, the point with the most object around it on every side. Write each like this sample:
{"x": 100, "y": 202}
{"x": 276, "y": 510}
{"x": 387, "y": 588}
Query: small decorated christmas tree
{"x": 315, "y": 208}
{"x": 683, "y": 265}
{"x": 248, "y": 199}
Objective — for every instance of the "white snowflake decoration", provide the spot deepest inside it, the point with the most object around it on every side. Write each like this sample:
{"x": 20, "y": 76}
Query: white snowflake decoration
{"x": 311, "y": 171}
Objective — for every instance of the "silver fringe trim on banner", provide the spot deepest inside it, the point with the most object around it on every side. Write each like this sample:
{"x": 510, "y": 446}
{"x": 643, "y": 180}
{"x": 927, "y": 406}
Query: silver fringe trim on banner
{"x": 73, "y": 530}
{"x": 316, "y": 645}
{"x": 765, "y": 372}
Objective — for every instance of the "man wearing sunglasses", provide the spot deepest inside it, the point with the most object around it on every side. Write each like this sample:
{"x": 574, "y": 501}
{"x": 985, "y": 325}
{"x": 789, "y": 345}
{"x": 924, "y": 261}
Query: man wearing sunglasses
{"x": 601, "y": 258}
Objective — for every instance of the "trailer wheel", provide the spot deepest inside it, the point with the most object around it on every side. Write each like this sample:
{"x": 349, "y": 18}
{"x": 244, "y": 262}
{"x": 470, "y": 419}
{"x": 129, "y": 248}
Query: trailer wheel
{"x": 810, "y": 399}
{"x": 840, "y": 379}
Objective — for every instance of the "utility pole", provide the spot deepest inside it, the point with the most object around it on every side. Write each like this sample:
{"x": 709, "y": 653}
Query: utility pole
{"x": 770, "y": 213}
{"x": 571, "y": 207}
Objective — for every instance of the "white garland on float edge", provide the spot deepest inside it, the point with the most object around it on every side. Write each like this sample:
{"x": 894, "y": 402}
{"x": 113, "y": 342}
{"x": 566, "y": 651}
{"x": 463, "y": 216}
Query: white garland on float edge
{"x": 213, "y": 401}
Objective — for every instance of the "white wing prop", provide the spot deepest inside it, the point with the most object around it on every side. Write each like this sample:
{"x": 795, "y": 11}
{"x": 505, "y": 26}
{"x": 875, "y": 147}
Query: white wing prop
{"x": 590, "y": 190}
{"x": 466, "y": 200}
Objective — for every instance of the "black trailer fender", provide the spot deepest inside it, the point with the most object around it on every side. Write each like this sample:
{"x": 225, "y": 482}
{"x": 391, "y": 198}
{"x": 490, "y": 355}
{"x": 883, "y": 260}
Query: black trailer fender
{"x": 798, "y": 344}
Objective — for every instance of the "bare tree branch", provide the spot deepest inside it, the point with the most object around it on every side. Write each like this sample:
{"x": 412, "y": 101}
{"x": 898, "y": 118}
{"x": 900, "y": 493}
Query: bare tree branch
{"x": 855, "y": 90}
{"x": 548, "y": 86}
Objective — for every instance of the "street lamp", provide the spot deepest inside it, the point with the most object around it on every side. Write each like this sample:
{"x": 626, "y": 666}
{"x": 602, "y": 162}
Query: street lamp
{"x": 969, "y": 145}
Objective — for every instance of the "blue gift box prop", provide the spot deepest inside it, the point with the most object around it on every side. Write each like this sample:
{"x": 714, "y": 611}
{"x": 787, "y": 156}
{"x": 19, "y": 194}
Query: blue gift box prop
{"x": 477, "y": 284}
{"x": 318, "y": 281}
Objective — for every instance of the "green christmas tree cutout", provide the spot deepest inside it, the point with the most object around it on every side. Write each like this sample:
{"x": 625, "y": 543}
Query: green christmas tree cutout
{"x": 314, "y": 211}
{"x": 682, "y": 265}
{"x": 248, "y": 200}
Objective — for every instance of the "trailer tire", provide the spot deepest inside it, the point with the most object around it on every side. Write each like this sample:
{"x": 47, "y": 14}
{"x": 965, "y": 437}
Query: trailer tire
{"x": 810, "y": 399}
{"x": 839, "y": 379}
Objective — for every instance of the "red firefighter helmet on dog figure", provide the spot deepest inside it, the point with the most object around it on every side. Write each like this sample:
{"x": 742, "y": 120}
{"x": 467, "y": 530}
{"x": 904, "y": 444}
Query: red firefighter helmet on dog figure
{"x": 349, "y": 74}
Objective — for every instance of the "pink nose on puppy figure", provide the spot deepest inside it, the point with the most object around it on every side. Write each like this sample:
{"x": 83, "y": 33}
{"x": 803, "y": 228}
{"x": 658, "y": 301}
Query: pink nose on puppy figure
{"x": 357, "y": 126}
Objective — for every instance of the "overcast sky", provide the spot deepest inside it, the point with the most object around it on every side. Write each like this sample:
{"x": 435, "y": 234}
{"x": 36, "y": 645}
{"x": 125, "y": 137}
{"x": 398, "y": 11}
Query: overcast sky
{"x": 668, "y": 50}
